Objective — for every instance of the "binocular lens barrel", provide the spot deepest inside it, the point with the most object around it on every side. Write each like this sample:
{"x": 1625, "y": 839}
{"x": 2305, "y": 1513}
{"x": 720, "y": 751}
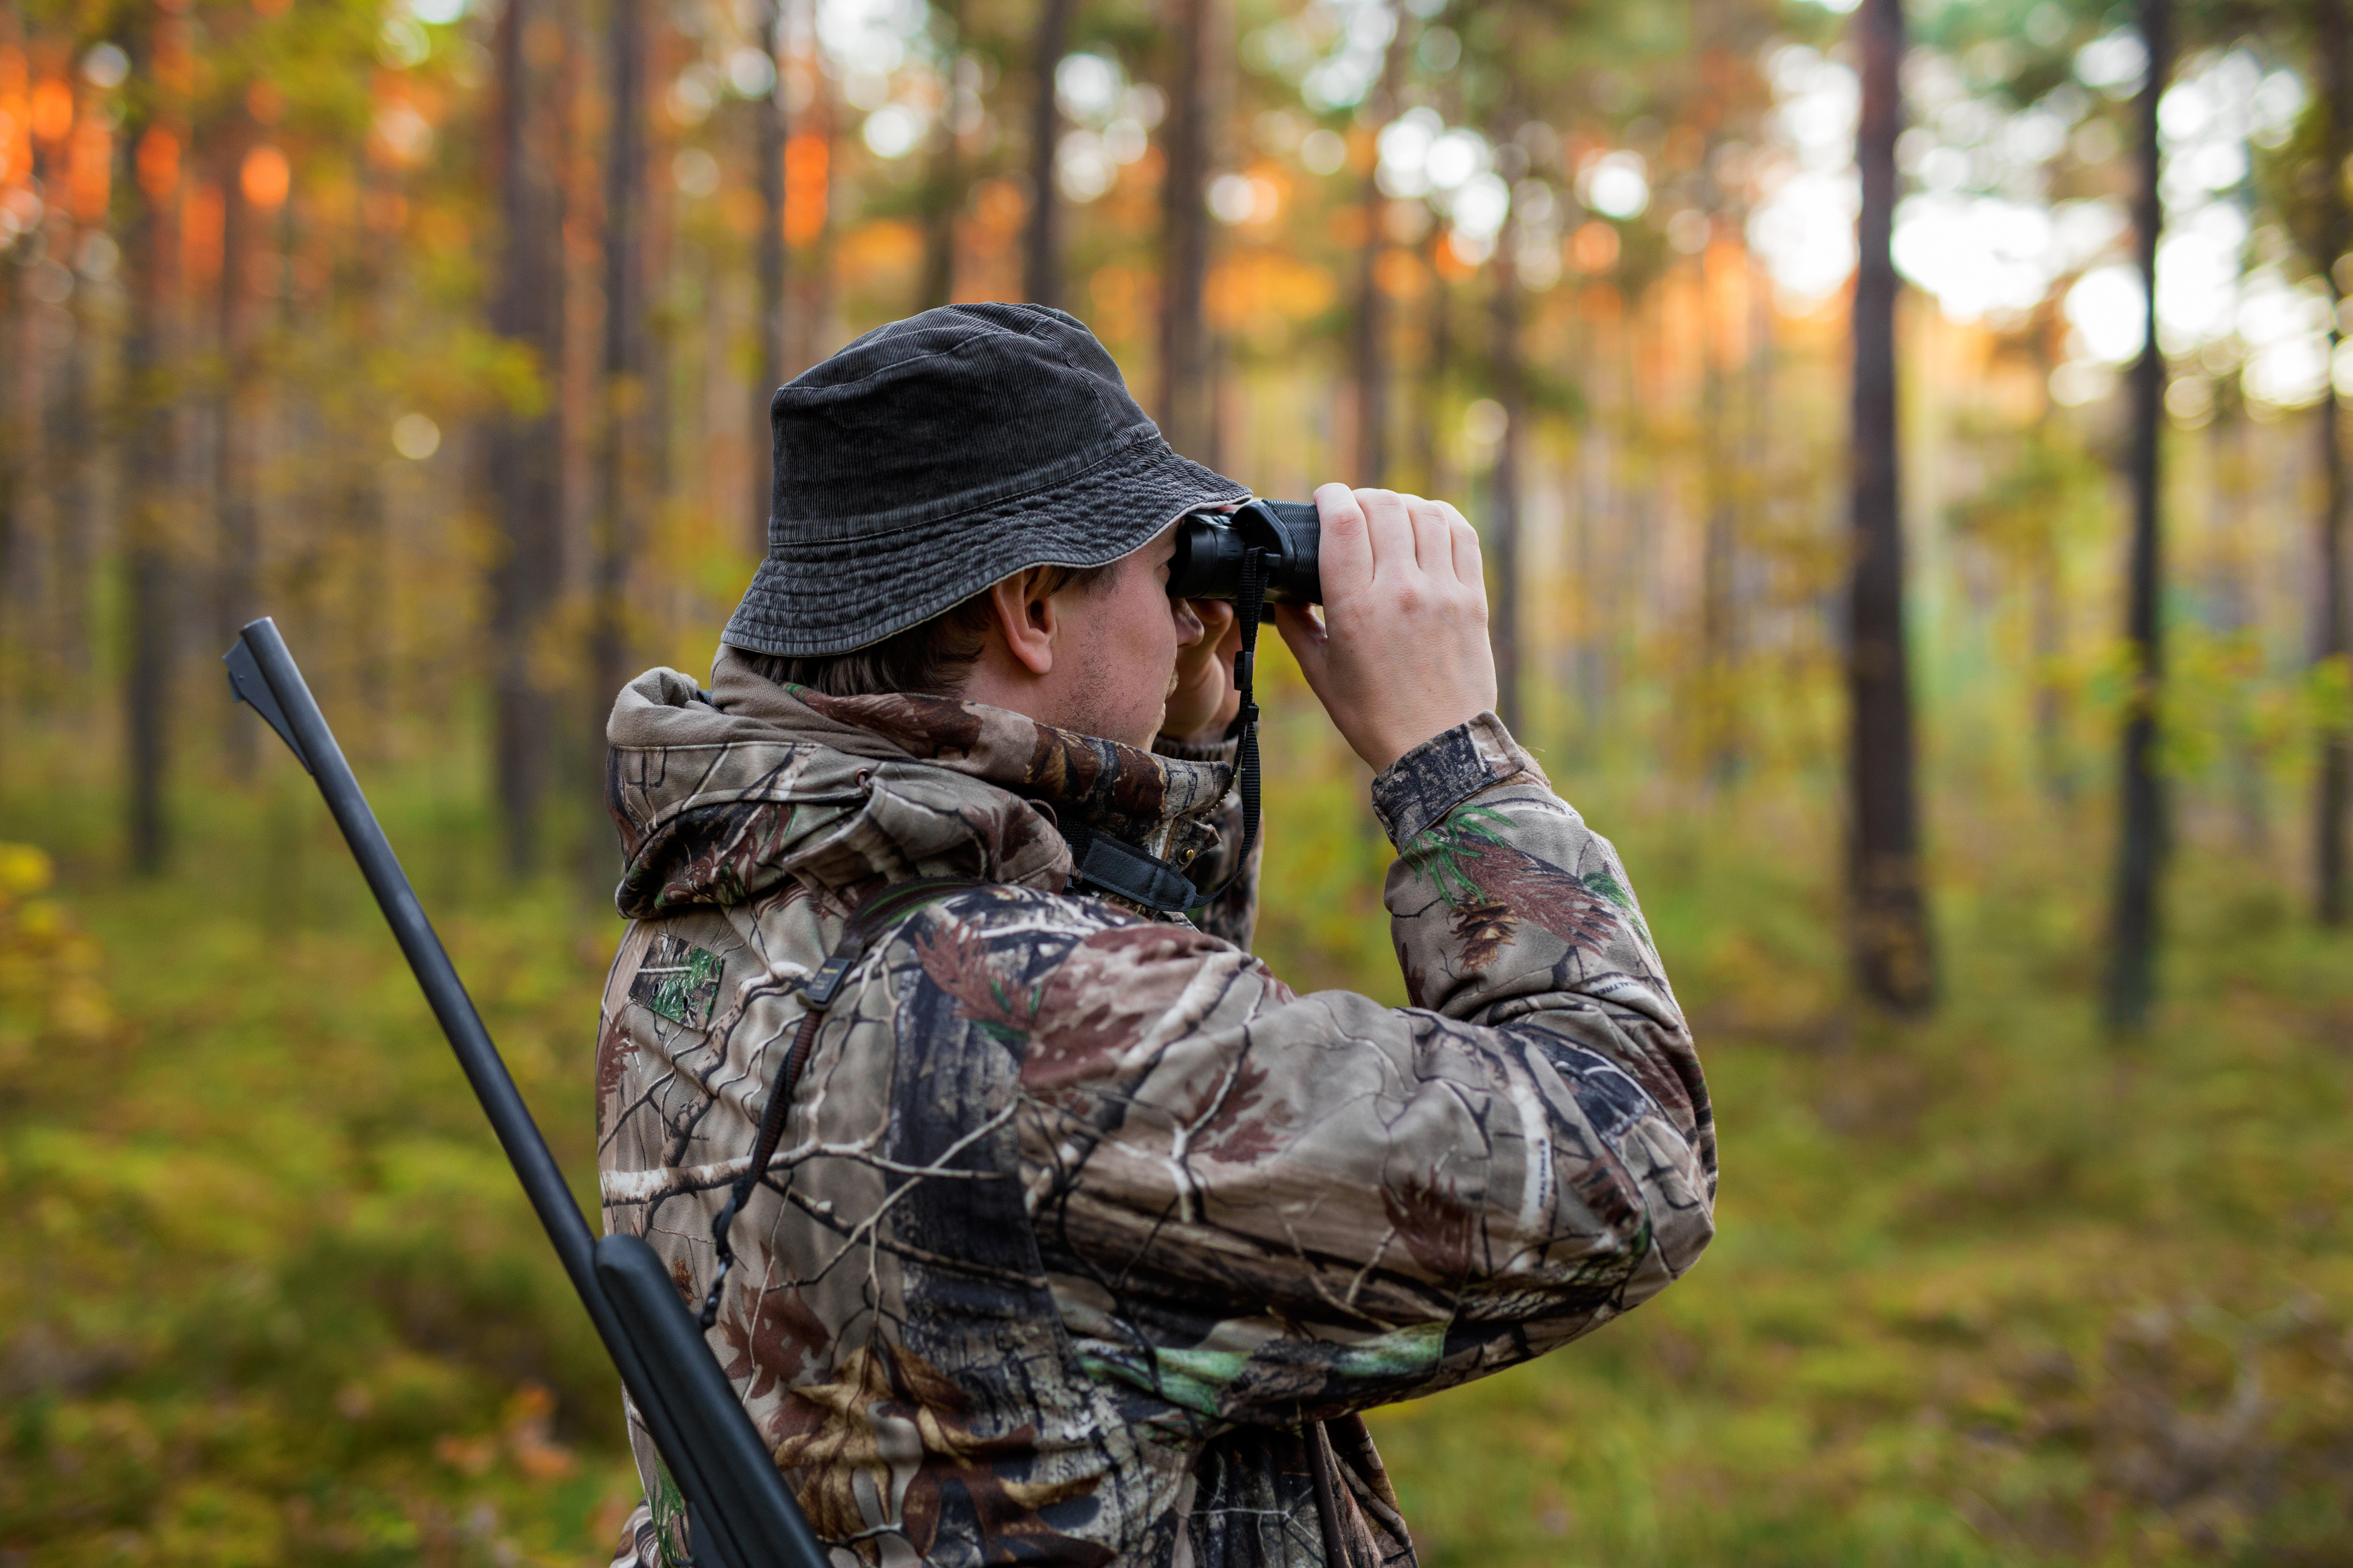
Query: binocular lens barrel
{"x": 1210, "y": 547}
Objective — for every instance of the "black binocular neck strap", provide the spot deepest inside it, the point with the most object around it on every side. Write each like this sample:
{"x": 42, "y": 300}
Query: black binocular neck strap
{"x": 1249, "y": 606}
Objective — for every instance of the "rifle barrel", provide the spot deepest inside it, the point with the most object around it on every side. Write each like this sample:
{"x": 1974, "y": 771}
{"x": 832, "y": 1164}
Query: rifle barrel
{"x": 743, "y": 1515}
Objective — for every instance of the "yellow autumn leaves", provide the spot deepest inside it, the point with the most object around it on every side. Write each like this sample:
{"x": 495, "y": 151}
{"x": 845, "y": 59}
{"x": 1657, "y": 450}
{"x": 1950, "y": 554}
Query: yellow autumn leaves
{"x": 51, "y": 992}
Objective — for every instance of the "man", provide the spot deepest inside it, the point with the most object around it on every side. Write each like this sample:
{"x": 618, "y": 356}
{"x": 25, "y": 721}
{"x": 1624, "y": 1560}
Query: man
{"x": 1086, "y": 1238}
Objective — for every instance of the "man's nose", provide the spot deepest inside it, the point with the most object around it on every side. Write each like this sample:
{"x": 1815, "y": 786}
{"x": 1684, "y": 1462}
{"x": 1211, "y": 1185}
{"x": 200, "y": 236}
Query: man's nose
{"x": 1189, "y": 629}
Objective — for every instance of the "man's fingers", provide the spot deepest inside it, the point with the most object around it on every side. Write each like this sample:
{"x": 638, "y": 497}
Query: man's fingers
{"x": 1433, "y": 538}
{"x": 1345, "y": 550}
{"x": 1217, "y": 617}
{"x": 1465, "y": 541}
{"x": 1308, "y": 641}
{"x": 1389, "y": 528}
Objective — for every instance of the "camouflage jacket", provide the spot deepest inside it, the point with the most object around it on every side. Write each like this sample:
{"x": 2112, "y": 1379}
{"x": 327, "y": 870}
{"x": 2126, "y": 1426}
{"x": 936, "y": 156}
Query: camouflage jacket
{"x": 1084, "y": 1227}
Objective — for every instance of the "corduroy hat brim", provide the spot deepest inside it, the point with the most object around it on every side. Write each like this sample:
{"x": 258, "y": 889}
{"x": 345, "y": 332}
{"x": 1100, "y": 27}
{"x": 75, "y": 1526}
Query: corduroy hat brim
{"x": 825, "y": 595}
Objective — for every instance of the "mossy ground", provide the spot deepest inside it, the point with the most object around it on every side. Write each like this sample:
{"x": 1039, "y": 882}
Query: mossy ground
{"x": 1990, "y": 1287}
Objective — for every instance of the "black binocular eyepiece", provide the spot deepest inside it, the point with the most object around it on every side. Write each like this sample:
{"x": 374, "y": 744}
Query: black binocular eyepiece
{"x": 1211, "y": 548}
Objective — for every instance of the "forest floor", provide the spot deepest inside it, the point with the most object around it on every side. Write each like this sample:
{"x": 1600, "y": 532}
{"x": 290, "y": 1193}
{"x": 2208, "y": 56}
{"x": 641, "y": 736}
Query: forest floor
{"x": 1988, "y": 1288}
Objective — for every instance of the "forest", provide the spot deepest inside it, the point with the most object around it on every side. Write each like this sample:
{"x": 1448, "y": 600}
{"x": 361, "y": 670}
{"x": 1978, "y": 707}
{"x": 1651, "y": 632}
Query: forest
{"x": 1907, "y": 441}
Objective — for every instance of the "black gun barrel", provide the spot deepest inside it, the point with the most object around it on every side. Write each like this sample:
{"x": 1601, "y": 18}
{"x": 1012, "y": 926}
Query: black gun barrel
{"x": 744, "y": 1516}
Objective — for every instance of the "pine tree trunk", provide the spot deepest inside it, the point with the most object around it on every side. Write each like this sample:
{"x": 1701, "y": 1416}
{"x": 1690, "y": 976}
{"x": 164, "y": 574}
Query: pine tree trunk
{"x": 943, "y": 177}
{"x": 818, "y": 320}
{"x": 365, "y": 504}
{"x": 1369, "y": 333}
{"x": 524, "y": 445}
{"x": 18, "y": 397}
{"x": 1504, "y": 525}
{"x": 2333, "y": 792}
{"x": 2141, "y": 841}
{"x": 772, "y": 128}
{"x": 1368, "y": 354}
{"x": 147, "y": 545}
{"x": 235, "y": 435}
{"x": 2235, "y": 616}
{"x": 74, "y": 520}
{"x": 625, "y": 388}
{"x": 1718, "y": 561}
{"x": 1429, "y": 454}
{"x": 2047, "y": 610}
{"x": 1041, "y": 241}
{"x": 1595, "y": 522}
{"x": 17, "y": 372}
{"x": 1185, "y": 233}
{"x": 1893, "y": 960}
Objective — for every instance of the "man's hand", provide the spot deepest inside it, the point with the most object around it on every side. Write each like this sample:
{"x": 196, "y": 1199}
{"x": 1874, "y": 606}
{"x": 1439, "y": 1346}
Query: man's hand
{"x": 1202, "y": 700}
{"x": 1400, "y": 654}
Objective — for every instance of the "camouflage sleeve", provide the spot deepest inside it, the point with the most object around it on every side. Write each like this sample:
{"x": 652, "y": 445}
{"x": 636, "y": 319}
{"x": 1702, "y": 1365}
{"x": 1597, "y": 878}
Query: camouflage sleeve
{"x": 1266, "y": 1208}
{"x": 1233, "y": 914}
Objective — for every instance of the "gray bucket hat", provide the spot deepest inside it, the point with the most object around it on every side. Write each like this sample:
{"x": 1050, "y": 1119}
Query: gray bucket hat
{"x": 940, "y": 453}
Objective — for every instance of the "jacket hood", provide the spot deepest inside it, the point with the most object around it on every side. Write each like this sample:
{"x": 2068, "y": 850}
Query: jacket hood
{"x": 720, "y": 797}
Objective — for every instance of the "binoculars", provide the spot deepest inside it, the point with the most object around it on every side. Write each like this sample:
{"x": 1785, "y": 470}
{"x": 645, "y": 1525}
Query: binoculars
{"x": 1212, "y": 547}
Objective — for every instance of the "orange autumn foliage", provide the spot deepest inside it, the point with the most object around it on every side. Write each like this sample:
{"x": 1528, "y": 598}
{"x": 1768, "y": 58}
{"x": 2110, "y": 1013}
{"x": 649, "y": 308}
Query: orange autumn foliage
{"x": 807, "y": 157}
{"x": 89, "y": 170}
{"x": 265, "y": 177}
{"x": 156, "y": 162}
{"x": 202, "y": 221}
{"x": 52, "y": 110}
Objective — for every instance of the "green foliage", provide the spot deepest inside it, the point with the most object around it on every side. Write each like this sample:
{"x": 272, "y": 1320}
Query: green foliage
{"x": 272, "y": 1294}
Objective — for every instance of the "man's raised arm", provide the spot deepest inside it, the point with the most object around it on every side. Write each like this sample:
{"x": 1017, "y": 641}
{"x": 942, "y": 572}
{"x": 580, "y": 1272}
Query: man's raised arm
{"x": 1263, "y": 1207}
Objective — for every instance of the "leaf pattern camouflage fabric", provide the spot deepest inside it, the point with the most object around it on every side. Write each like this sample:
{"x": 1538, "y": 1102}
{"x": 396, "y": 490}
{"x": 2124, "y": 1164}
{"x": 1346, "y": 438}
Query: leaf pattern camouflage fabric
{"x": 1086, "y": 1233}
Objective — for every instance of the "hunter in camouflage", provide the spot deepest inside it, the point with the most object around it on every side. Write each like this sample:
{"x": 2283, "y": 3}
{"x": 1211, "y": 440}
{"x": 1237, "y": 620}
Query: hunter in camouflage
{"x": 1085, "y": 1225}
{"x": 1087, "y": 1238}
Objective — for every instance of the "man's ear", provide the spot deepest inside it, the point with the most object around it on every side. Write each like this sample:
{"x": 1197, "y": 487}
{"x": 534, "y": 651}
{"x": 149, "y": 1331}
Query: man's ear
{"x": 1026, "y": 618}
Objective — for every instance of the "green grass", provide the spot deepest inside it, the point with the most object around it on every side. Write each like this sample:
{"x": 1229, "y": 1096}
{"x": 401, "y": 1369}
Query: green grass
{"x": 1988, "y": 1289}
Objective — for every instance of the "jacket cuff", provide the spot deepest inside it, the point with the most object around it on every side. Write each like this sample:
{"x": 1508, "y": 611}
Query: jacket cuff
{"x": 1444, "y": 771}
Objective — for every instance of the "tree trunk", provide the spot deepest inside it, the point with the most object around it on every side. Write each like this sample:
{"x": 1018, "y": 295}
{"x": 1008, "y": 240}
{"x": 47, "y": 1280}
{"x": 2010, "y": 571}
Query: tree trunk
{"x": 1369, "y": 335}
{"x": 944, "y": 177}
{"x": 72, "y": 444}
{"x": 234, "y": 435}
{"x": 2236, "y": 614}
{"x": 147, "y": 385}
{"x": 1504, "y": 528}
{"x": 1889, "y": 933}
{"x": 1594, "y": 522}
{"x": 2047, "y": 610}
{"x": 1440, "y": 365}
{"x": 772, "y": 129}
{"x": 365, "y": 504}
{"x": 625, "y": 388}
{"x": 16, "y": 464}
{"x": 819, "y": 319}
{"x": 1719, "y": 629}
{"x": 2333, "y": 641}
{"x": 525, "y": 450}
{"x": 1041, "y": 264}
{"x": 1185, "y": 232}
{"x": 2141, "y": 841}
{"x": 18, "y": 397}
